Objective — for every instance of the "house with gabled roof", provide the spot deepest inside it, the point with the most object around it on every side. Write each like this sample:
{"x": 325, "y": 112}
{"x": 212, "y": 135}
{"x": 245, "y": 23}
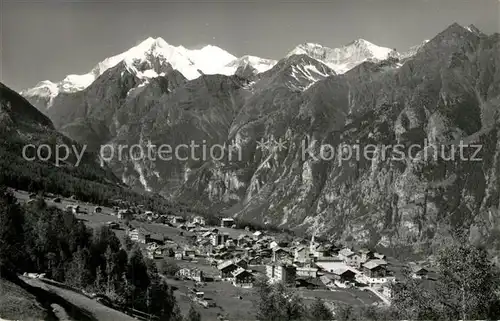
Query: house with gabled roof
{"x": 418, "y": 272}
{"x": 375, "y": 268}
{"x": 257, "y": 235}
{"x": 343, "y": 274}
{"x": 281, "y": 254}
{"x": 226, "y": 269}
{"x": 302, "y": 254}
{"x": 350, "y": 258}
{"x": 241, "y": 263}
{"x": 243, "y": 278}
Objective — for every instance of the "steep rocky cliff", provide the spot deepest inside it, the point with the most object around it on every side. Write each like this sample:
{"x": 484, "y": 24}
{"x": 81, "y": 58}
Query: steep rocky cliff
{"x": 445, "y": 92}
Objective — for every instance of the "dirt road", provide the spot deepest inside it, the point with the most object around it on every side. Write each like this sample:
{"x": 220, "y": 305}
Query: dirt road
{"x": 96, "y": 310}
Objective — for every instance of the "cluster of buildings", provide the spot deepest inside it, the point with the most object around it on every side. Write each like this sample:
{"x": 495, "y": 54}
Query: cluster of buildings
{"x": 289, "y": 261}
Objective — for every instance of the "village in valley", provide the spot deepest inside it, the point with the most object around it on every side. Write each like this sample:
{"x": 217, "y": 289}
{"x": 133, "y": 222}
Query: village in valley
{"x": 217, "y": 267}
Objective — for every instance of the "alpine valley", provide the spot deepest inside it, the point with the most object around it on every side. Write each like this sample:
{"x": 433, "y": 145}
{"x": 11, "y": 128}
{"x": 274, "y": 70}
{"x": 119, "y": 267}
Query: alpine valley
{"x": 444, "y": 90}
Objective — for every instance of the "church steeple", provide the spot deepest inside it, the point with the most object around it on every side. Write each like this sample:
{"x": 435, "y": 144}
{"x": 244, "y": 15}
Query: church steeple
{"x": 312, "y": 244}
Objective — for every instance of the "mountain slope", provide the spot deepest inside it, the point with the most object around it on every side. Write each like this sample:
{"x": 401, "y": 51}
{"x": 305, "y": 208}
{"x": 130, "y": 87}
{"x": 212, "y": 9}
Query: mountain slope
{"x": 23, "y": 130}
{"x": 442, "y": 94}
{"x": 444, "y": 91}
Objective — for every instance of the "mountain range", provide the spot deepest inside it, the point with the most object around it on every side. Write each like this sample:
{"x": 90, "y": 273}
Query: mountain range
{"x": 150, "y": 58}
{"x": 442, "y": 91}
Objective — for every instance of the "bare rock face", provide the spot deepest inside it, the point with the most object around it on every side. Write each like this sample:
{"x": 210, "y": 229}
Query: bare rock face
{"x": 446, "y": 92}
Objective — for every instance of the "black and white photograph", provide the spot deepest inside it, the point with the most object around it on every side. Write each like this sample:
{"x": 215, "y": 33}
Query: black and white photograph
{"x": 249, "y": 160}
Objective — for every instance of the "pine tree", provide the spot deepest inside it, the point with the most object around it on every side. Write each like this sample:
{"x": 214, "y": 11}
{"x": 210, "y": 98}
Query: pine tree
{"x": 11, "y": 233}
{"x": 109, "y": 270}
{"x": 318, "y": 310}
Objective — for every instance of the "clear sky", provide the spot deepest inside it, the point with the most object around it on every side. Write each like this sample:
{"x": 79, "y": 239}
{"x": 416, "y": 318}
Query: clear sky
{"x": 48, "y": 39}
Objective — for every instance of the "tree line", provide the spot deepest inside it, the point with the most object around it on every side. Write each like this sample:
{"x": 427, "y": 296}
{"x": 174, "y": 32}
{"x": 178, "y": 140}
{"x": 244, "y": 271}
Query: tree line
{"x": 466, "y": 286}
{"x": 41, "y": 239}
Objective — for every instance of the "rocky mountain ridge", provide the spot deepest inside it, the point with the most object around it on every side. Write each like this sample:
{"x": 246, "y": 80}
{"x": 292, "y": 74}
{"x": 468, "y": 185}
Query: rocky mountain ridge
{"x": 445, "y": 92}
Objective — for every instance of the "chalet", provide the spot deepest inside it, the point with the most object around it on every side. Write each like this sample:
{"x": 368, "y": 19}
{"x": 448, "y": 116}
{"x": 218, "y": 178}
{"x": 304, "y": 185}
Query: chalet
{"x": 343, "y": 275}
{"x": 350, "y": 258}
{"x": 248, "y": 251}
{"x": 205, "y": 243}
{"x": 179, "y": 255}
{"x": 320, "y": 252}
{"x": 223, "y": 256}
{"x": 261, "y": 244}
{"x": 178, "y": 220}
{"x": 375, "y": 268}
{"x": 256, "y": 260}
{"x": 221, "y": 248}
{"x": 418, "y": 272}
{"x": 152, "y": 246}
{"x": 265, "y": 253}
{"x": 157, "y": 252}
{"x": 226, "y": 269}
{"x": 207, "y": 234}
{"x": 281, "y": 273}
{"x": 280, "y": 255}
{"x": 345, "y": 253}
{"x": 241, "y": 263}
{"x": 327, "y": 280}
{"x": 244, "y": 241}
{"x": 243, "y": 278}
{"x": 189, "y": 253}
{"x": 301, "y": 254}
{"x": 199, "y": 221}
{"x": 123, "y": 213}
{"x": 144, "y": 236}
{"x": 366, "y": 255}
{"x": 227, "y": 222}
{"x": 257, "y": 235}
{"x": 113, "y": 225}
{"x": 230, "y": 243}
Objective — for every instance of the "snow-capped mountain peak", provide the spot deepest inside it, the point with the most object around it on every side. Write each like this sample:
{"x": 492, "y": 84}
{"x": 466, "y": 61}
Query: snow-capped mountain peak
{"x": 148, "y": 59}
{"x": 257, "y": 63}
{"x": 344, "y": 58}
